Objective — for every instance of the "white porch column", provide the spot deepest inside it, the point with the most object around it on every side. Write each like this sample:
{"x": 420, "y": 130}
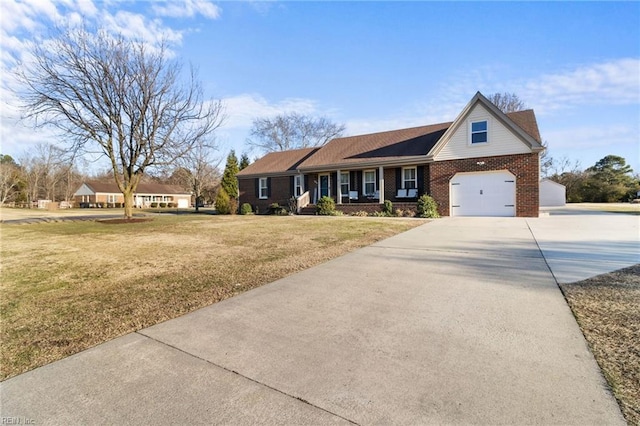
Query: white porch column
{"x": 381, "y": 185}
{"x": 339, "y": 189}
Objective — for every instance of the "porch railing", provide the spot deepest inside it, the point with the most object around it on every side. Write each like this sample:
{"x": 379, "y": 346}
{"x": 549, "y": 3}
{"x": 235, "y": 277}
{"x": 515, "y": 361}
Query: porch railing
{"x": 302, "y": 201}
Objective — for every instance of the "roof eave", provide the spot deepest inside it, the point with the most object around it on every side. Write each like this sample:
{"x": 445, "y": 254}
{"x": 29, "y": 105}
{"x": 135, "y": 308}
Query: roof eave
{"x": 414, "y": 159}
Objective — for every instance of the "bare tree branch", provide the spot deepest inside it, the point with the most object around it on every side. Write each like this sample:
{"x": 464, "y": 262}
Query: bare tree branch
{"x": 291, "y": 131}
{"x": 125, "y": 97}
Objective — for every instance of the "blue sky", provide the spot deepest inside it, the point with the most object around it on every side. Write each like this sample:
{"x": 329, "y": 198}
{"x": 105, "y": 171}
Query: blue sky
{"x": 380, "y": 65}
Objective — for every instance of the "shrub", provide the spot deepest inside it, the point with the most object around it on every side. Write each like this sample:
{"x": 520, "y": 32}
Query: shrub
{"x": 278, "y": 210}
{"x": 387, "y": 208}
{"x": 326, "y": 206}
{"x": 223, "y": 202}
{"x": 399, "y": 212}
{"x": 171, "y": 205}
{"x": 246, "y": 208}
{"x": 361, "y": 213}
{"x": 427, "y": 207}
{"x": 378, "y": 214}
{"x": 163, "y": 205}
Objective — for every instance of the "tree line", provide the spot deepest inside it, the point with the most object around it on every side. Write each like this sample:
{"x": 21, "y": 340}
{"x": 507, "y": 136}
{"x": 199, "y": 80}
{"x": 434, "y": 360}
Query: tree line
{"x": 609, "y": 180}
{"x": 49, "y": 173}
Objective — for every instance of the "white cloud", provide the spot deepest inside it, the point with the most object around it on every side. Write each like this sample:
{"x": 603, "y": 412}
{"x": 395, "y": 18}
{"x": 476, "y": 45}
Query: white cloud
{"x": 616, "y": 82}
{"x": 242, "y": 109}
{"x": 584, "y": 137}
{"x": 187, "y": 9}
{"x": 137, "y": 27}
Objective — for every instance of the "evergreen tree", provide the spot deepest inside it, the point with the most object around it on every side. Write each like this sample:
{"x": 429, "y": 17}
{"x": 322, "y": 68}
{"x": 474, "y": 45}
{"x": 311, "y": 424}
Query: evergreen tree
{"x": 229, "y": 181}
{"x": 244, "y": 161}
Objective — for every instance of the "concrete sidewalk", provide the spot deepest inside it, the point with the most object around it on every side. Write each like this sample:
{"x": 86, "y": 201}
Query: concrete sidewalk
{"x": 457, "y": 321}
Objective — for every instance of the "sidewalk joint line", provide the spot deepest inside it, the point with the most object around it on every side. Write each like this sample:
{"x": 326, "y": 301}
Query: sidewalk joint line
{"x": 247, "y": 378}
{"x": 545, "y": 260}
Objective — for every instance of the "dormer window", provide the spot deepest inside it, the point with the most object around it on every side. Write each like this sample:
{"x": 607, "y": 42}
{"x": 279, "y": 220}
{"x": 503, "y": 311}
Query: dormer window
{"x": 479, "y": 132}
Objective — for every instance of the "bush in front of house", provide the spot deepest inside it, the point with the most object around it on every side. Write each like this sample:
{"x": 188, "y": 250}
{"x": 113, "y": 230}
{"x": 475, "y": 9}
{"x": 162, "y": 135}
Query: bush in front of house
{"x": 360, "y": 213}
{"x": 427, "y": 207}
{"x": 278, "y": 210}
{"x": 387, "y": 208}
{"x": 326, "y": 206}
{"x": 171, "y": 205}
{"x": 223, "y": 202}
{"x": 246, "y": 208}
{"x": 154, "y": 205}
{"x": 163, "y": 205}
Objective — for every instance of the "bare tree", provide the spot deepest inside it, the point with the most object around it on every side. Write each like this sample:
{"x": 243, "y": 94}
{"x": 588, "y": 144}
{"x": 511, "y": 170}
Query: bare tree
{"x": 507, "y": 102}
{"x": 291, "y": 131}
{"x": 123, "y": 97}
{"x": 202, "y": 171}
{"x": 10, "y": 179}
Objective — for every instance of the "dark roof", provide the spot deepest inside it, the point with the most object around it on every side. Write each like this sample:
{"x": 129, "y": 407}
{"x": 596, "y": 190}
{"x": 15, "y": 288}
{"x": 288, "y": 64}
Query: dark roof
{"x": 143, "y": 188}
{"x": 363, "y": 149}
{"x": 526, "y": 120}
{"x": 282, "y": 162}
{"x": 396, "y": 144}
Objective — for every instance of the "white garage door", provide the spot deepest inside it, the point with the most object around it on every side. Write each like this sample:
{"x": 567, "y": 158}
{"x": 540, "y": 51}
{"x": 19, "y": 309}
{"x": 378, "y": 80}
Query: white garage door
{"x": 483, "y": 194}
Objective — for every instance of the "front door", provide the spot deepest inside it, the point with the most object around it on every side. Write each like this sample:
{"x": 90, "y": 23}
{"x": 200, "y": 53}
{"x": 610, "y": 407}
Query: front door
{"x": 324, "y": 185}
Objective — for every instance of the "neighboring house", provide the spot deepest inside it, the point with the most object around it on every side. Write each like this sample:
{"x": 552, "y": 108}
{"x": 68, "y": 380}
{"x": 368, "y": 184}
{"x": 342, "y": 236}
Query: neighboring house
{"x": 97, "y": 194}
{"x": 552, "y": 194}
{"x": 485, "y": 163}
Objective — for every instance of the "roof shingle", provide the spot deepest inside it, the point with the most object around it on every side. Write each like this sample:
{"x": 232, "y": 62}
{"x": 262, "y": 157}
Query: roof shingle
{"x": 277, "y": 162}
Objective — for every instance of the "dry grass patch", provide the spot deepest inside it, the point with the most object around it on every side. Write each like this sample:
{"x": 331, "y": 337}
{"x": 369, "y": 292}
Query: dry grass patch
{"x": 607, "y": 308}
{"x": 69, "y": 286}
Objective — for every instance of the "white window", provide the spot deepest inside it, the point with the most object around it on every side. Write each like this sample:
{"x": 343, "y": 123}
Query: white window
{"x": 297, "y": 185}
{"x": 479, "y": 132}
{"x": 344, "y": 184}
{"x": 409, "y": 180}
{"x": 111, "y": 198}
{"x": 369, "y": 183}
{"x": 263, "y": 188}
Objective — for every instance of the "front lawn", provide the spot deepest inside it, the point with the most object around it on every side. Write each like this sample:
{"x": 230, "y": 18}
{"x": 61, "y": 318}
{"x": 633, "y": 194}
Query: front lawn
{"x": 607, "y": 308}
{"x": 72, "y": 285}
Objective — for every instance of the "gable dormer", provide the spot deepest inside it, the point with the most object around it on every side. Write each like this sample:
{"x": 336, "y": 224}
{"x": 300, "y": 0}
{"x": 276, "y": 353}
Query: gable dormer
{"x": 482, "y": 130}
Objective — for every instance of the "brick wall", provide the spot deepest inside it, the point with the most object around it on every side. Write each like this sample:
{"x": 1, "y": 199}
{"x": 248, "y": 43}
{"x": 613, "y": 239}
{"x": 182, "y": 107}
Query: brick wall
{"x": 372, "y": 207}
{"x": 280, "y": 192}
{"x": 523, "y": 166}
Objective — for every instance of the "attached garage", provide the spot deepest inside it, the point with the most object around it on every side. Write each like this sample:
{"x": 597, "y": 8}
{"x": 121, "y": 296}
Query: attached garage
{"x": 483, "y": 194}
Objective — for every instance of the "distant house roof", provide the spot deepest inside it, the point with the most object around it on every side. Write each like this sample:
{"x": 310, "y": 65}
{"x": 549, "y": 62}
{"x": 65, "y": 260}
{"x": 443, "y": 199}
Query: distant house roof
{"x": 143, "y": 188}
{"x": 274, "y": 163}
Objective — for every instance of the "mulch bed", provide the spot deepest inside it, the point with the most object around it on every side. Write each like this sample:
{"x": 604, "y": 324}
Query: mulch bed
{"x": 124, "y": 220}
{"x": 607, "y": 308}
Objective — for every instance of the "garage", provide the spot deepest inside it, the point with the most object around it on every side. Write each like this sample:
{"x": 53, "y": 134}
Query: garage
{"x": 483, "y": 194}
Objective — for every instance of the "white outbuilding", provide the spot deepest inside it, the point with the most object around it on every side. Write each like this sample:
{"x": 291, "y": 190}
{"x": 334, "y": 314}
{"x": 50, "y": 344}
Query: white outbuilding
{"x": 552, "y": 194}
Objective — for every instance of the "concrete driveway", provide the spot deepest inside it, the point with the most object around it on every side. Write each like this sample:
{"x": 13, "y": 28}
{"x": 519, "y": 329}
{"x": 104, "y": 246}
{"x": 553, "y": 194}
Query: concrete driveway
{"x": 458, "y": 321}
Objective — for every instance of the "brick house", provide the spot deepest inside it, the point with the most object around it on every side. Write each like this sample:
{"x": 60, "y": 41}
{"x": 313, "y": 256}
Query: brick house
{"x": 484, "y": 163}
{"x": 107, "y": 194}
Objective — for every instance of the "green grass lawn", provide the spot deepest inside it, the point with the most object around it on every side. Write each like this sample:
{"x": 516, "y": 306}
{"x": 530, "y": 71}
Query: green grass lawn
{"x": 68, "y": 286}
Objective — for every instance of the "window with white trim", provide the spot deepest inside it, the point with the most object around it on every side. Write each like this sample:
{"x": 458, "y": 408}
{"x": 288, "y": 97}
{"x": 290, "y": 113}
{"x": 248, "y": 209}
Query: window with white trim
{"x": 409, "y": 179}
{"x": 369, "y": 182}
{"x": 111, "y": 198}
{"x": 479, "y": 132}
{"x": 263, "y": 188}
{"x": 297, "y": 185}
{"x": 344, "y": 184}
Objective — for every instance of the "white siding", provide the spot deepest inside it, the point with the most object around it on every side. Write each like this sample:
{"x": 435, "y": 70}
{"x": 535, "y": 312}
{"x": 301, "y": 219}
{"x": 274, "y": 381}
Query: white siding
{"x": 502, "y": 141}
{"x": 552, "y": 194}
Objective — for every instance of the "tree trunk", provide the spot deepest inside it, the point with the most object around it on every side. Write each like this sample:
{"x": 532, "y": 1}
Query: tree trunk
{"x": 128, "y": 204}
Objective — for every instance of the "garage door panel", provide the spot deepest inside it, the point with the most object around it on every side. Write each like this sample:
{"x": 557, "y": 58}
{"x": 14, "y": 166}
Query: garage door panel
{"x": 483, "y": 194}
